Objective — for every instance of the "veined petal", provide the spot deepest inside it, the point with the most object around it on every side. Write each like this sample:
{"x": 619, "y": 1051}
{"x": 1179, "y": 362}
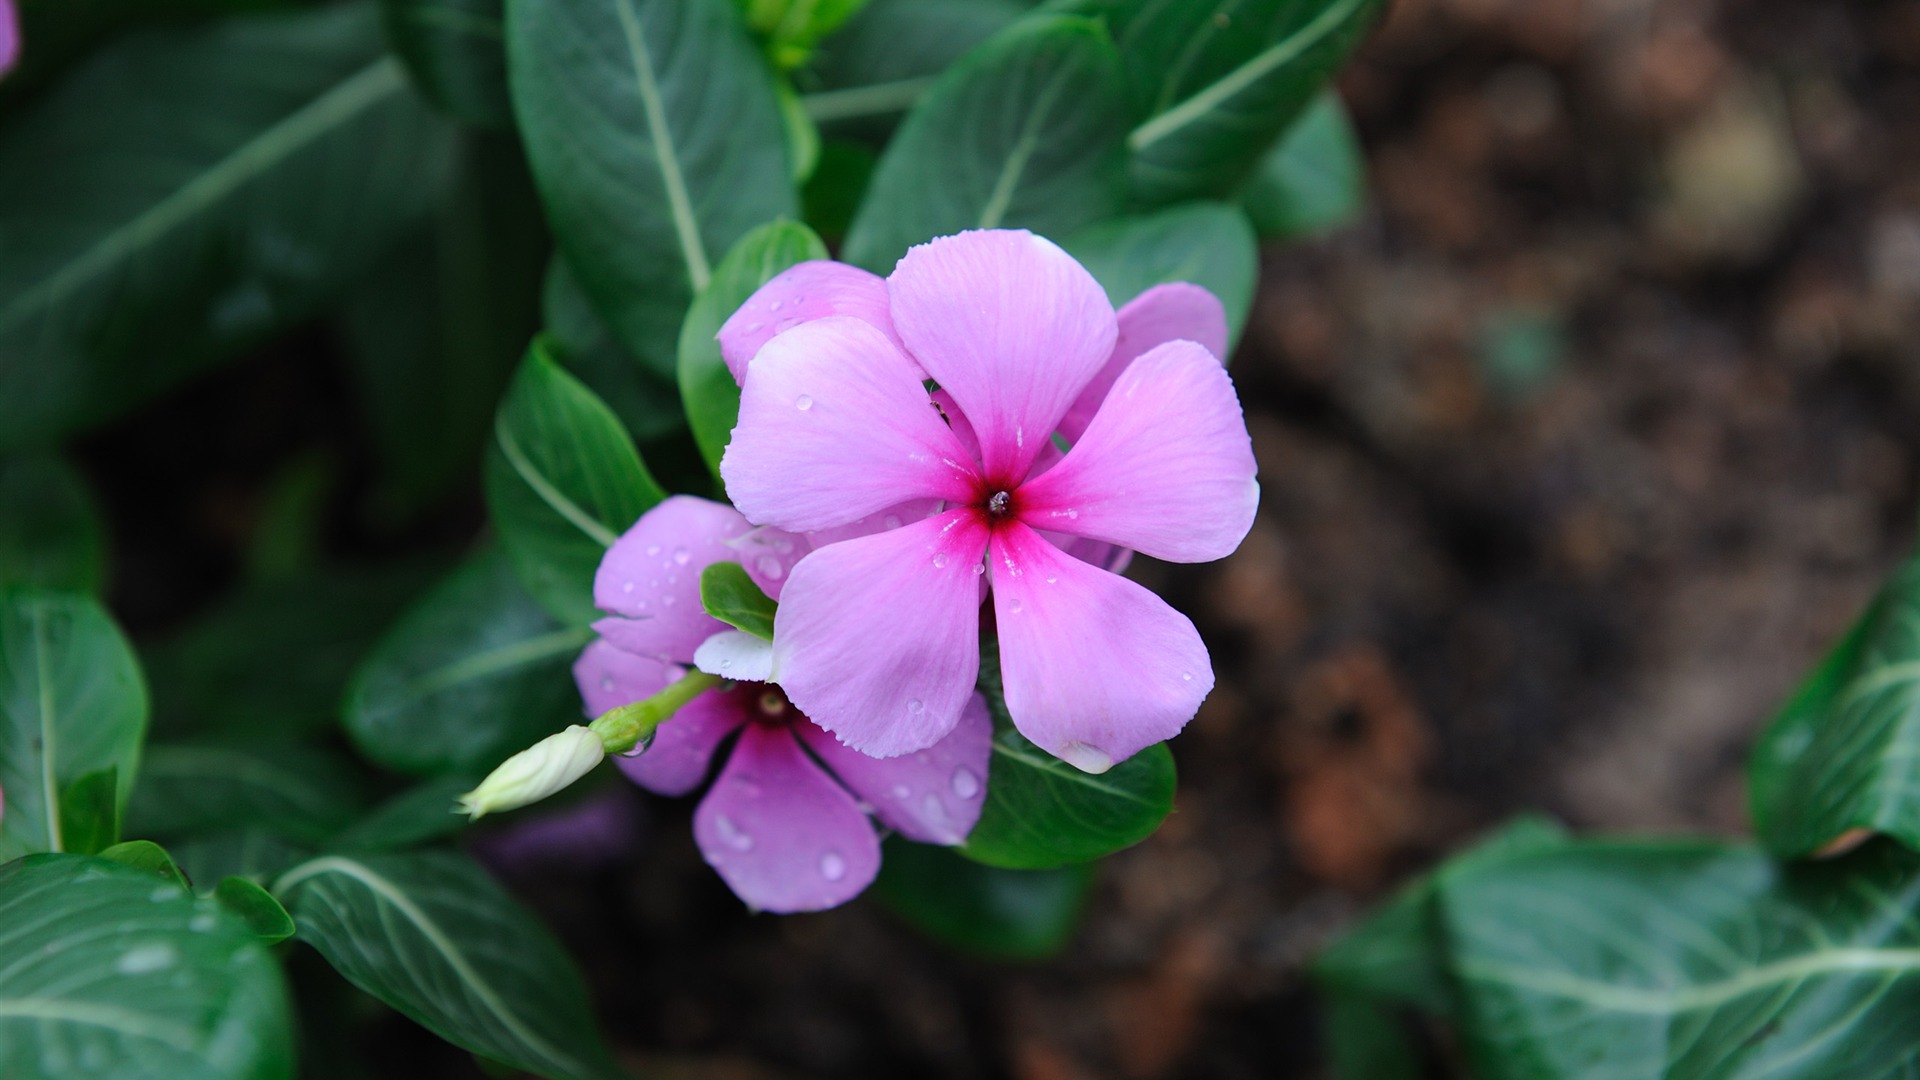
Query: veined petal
{"x": 1176, "y": 311}
{"x": 798, "y": 295}
{"x": 1096, "y": 667}
{"x": 1166, "y": 467}
{"x": 768, "y": 555}
{"x": 877, "y": 640}
{"x": 892, "y": 517}
{"x": 675, "y": 764}
{"x": 1011, "y": 326}
{"x": 932, "y": 795}
{"x": 835, "y": 425}
{"x": 651, "y": 577}
{"x": 782, "y": 834}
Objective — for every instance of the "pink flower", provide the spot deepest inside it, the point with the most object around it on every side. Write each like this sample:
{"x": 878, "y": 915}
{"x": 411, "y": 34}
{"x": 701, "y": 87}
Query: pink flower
{"x": 877, "y": 636}
{"x": 786, "y": 833}
{"x": 9, "y": 37}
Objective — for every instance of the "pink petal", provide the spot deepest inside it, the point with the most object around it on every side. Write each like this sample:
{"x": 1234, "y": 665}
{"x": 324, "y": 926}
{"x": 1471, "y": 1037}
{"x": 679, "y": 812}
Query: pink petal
{"x": 835, "y": 425}
{"x": 1166, "y": 467}
{"x": 768, "y": 555}
{"x": 782, "y": 834}
{"x": 651, "y": 575}
{"x": 1096, "y": 667}
{"x": 1011, "y": 326}
{"x": 801, "y": 294}
{"x": 683, "y": 745}
{"x": 932, "y": 795}
{"x": 1172, "y": 312}
{"x": 9, "y": 36}
{"x": 675, "y": 764}
{"x": 892, "y": 517}
{"x": 957, "y": 420}
{"x": 877, "y": 638}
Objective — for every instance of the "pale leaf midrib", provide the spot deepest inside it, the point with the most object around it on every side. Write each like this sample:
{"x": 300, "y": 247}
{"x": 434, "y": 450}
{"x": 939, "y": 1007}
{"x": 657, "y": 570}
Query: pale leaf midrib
{"x": 1233, "y": 82}
{"x": 1658, "y": 1001}
{"x": 1016, "y": 164}
{"x": 49, "y": 750}
{"x": 549, "y": 494}
{"x": 685, "y": 225}
{"x": 125, "y": 1021}
{"x": 340, "y": 105}
{"x": 496, "y": 660}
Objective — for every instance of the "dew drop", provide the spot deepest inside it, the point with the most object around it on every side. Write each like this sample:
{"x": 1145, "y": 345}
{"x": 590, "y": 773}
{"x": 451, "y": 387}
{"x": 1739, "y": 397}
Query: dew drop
{"x": 754, "y": 328}
{"x": 639, "y": 605}
{"x": 606, "y": 682}
{"x": 803, "y": 403}
{"x": 832, "y": 866}
{"x": 902, "y": 791}
{"x": 145, "y": 958}
{"x": 732, "y": 834}
{"x": 775, "y": 306}
{"x": 933, "y": 809}
{"x": 667, "y": 600}
{"x": 892, "y": 521}
{"x": 784, "y": 547}
{"x": 979, "y": 568}
{"x": 769, "y": 567}
{"x": 940, "y": 561}
{"x": 682, "y": 556}
{"x": 1186, "y": 676}
{"x": 627, "y": 587}
{"x": 641, "y": 746}
{"x": 653, "y": 549}
{"x": 201, "y": 923}
{"x": 1051, "y": 579}
{"x": 1015, "y": 605}
{"x": 965, "y": 784}
{"x": 914, "y": 707}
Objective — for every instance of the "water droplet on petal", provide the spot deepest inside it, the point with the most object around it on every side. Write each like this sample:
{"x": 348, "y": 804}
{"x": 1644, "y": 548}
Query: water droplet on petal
{"x": 892, "y": 521}
{"x": 933, "y": 809}
{"x": 1186, "y": 676}
{"x": 627, "y": 587}
{"x": 914, "y": 707}
{"x": 732, "y": 834}
{"x": 639, "y": 605}
{"x": 803, "y": 403}
{"x": 940, "y": 561}
{"x": 775, "y": 306}
{"x": 832, "y": 866}
{"x": 979, "y": 568}
{"x": 682, "y": 555}
{"x": 1051, "y": 579}
{"x": 754, "y": 328}
{"x": 902, "y": 791}
{"x": 1015, "y": 605}
{"x": 653, "y": 549}
{"x": 769, "y": 567}
{"x": 606, "y": 683}
{"x": 667, "y": 600}
{"x": 965, "y": 784}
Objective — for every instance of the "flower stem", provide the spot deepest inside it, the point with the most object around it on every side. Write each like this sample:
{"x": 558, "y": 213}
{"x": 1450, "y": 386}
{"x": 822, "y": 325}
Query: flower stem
{"x": 623, "y": 728}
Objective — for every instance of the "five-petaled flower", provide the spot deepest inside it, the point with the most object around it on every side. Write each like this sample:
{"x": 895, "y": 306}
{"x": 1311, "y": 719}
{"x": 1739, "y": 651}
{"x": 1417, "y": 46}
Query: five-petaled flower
{"x": 877, "y": 636}
{"x": 785, "y": 833}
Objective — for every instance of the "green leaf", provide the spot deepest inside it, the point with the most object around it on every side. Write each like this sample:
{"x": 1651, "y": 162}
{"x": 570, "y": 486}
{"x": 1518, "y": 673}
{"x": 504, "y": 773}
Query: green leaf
{"x": 188, "y": 191}
{"x": 456, "y": 51}
{"x": 71, "y": 703}
{"x": 563, "y": 482}
{"x": 472, "y": 673}
{"x": 431, "y": 935}
{"x": 712, "y": 397}
{"x": 1215, "y": 87}
{"x": 50, "y": 533}
{"x": 886, "y": 56}
{"x": 1208, "y": 244}
{"x": 578, "y": 338}
{"x": 300, "y": 791}
{"x": 247, "y": 851}
{"x": 282, "y": 648}
{"x": 255, "y": 907}
{"x": 1314, "y": 179}
{"x": 656, "y": 139}
{"x": 728, "y": 594}
{"x": 1844, "y": 753}
{"x": 423, "y": 812}
{"x": 1398, "y": 953}
{"x": 1043, "y": 813}
{"x": 1024, "y": 132}
{"x": 1365, "y": 1041}
{"x": 1685, "y": 959}
{"x": 90, "y": 812}
{"x": 108, "y": 974}
{"x": 147, "y": 857}
{"x": 791, "y": 28}
{"x": 838, "y": 185}
{"x": 1017, "y": 914}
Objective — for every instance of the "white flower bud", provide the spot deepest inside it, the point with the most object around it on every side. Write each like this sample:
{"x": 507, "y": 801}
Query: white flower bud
{"x": 536, "y": 772}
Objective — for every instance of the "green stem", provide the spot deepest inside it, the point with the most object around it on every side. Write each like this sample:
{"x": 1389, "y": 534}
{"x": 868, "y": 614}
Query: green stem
{"x": 626, "y": 727}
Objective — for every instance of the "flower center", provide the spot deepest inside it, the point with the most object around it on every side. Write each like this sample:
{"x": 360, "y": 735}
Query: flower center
{"x": 769, "y": 707}
{"x": 1000, "y": 505}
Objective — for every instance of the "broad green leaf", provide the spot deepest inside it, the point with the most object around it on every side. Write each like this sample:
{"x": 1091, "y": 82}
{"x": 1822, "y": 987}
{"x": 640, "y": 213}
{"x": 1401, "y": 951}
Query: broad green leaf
{"x": 728, "y": 594}
{"x": 71, "y": 703}
{"x": 1397, "y": 954}
{"x": 885, "y": 57}
{"x": 301, "y": 791}
{"x": 563, "y": 482}
{"x": 1844, "y": 753}
{"x": 274, "y": 658}
{"x": 576, "y": 336}
{"x": 1024, "y": 132}
{"x": 656, "y": 140}
{"x": 255, "y": 907}
{"x": 1687, "y": 959}
{"x": 50, "y": 532}
{"x": 834, "y": 192}
{"x": 472, "y": 673}
{"x": 186, "y": 192}
{"x": 434, "y": 334}
{"x": 110, "y": 974}
{"x": 711, "y": 396}
{"x": 1365, "y": 1041}
{"x": 246, "y": 851}
{"x": 1208, "y": 244}
{"x": 1214, "y": 87}
{"x": 1314, "y": 179}
{"x": 419, "y": 814}
{"x": 1018, "y": 914}
{"x": 149, "y": 858}
{"x": 1042, "y": 813}
{"x": 791, "y": 28}
{"x": 90, "y": 812}
{"x": 456, "y": 51}
{"x": 431, "y": 935}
